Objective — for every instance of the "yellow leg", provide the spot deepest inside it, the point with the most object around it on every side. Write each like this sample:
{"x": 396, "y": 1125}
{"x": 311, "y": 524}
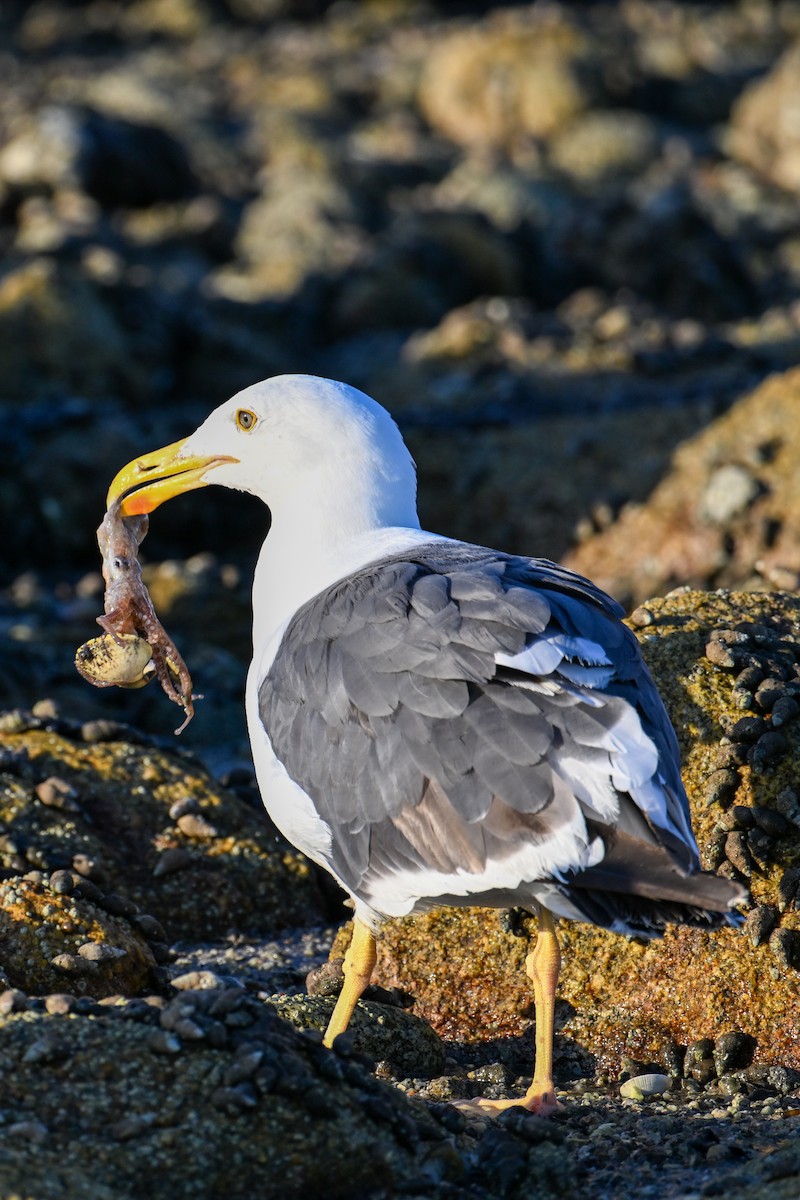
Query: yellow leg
{"x": 358, "y": 966}
{"x": 542, "y": 965}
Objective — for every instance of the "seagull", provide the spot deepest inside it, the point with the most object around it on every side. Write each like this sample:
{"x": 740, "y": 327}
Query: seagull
{"x": 435, "y": 722}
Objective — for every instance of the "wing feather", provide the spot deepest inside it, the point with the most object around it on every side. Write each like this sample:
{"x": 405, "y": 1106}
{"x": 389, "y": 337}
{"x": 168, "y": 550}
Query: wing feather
{"x": 457, "y": 708}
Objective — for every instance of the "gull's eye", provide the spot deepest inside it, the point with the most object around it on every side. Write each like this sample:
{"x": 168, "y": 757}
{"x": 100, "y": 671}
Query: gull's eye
{"x": 245, "y": 419}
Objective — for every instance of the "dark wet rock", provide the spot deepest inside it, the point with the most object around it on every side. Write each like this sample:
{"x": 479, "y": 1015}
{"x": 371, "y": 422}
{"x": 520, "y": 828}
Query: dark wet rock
{"x": 381, "y": 1032}
{"x": 116, "y": 161}
{"x": 275, "y": 1114}
{"x": 733, "y": 1051}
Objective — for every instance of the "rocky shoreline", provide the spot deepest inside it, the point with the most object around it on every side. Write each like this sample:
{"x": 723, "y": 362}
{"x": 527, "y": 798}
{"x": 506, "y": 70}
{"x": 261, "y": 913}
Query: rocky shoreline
{"x": 561, "y": 243}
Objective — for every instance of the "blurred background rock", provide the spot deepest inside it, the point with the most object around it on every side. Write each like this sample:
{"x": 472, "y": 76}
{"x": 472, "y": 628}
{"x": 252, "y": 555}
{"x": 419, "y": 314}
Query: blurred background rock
{"x": 561, "y": 242}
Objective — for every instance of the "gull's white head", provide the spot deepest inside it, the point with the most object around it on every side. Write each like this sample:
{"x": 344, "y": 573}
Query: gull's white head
{"x": 312, "y": 449}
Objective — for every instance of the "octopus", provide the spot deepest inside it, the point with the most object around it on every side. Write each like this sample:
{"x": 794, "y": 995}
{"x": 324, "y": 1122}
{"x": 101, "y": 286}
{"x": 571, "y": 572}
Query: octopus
{"x": 134, "y": 647}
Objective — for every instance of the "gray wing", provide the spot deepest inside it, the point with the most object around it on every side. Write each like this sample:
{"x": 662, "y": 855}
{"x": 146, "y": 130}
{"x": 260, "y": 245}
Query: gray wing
{"x": 444, "y": 707}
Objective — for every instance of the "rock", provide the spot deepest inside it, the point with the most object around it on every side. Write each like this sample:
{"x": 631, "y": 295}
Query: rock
{"x": 763, "y": 131}
{"x": 52, "y": 941}
{"x": 729, "y": 491}
{"x": 55, "y": 329}
{"x": 116, "y": 161}
{"x": 509, "y": 76}
{"x": 302, "y": 226}
{"x": 238, "y": 878}
{"x": 756, "y": 445}
{"x": 381, "y": 1032}
{"x": 304, "y": 1121}
{"x": 733, "y": 1051}
{"x": 604, "y": 145}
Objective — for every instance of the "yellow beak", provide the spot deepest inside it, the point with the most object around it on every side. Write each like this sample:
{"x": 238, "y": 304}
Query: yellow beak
{"x": 150, "y": 480}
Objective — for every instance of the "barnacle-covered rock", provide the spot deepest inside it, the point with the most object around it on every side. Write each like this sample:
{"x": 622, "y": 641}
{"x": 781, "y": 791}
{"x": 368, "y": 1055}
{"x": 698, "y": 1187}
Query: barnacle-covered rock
{"x": 55, "y": 940}
{"x": 248, "y": 1107}
{"x": 119, "y": 834}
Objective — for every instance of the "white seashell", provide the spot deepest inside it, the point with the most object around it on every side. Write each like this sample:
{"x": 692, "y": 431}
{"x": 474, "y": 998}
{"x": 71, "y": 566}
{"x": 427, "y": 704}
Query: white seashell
{"x": 644, "y": 1085}
{"x": 104, "y": 661}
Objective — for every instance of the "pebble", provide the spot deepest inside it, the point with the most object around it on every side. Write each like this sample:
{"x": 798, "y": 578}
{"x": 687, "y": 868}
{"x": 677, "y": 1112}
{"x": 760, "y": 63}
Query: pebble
{"x": 103, "y": 730}
{"x": 195, "y": 825}
{"x": 84, "y": 865}
{"x": 198, "y": 981}
{"x": 59, "y": 1003}
{"x": 187, "y": 804}
{"x": 57, "y": 793}
{"x": 172, "y": 860}
{"x": 97, "y": 952}
{"x": 62, "y": 883}
{"x": 11, "y": 1001}
{"x": 71, "y": 962}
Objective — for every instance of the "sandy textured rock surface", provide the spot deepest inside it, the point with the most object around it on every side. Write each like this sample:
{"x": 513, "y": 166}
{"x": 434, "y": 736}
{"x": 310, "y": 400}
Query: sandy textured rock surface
{"x": 725, "y": 510}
